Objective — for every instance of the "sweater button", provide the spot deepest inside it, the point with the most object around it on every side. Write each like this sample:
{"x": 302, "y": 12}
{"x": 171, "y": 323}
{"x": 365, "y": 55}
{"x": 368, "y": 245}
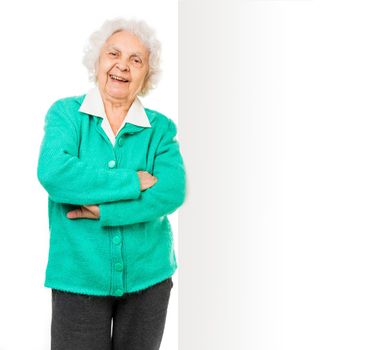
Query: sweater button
{"x": 118, "y": 292}
{"x": 116, "y": 239}
{"x": 120, "y": 142}
{"x": 118, "y": 267}
{"x": 111, "y": 163}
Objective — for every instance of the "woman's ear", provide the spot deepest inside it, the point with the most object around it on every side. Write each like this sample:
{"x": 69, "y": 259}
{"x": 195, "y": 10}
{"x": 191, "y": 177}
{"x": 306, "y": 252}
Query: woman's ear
{"x": 145, "y": 84}
{"x": 96, "y": 68}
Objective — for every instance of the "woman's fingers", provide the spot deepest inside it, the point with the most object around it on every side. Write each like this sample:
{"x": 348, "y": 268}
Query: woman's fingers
{"x": 146, "y": 180}
{"x": 94, "y": 209}
{"x": 90, "y": 212}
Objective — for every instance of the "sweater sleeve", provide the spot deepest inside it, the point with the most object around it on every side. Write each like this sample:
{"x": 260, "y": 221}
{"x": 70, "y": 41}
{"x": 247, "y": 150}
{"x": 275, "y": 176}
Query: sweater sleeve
{"x": 68, "y": 179}
{"x": 163, "y": 198}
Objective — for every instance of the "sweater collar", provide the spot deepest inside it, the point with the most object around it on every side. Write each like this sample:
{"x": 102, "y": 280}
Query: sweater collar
{"x": 93, "y": 104}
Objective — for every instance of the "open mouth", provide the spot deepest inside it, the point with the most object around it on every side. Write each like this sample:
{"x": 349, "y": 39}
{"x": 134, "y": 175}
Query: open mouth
{"x": 118, "y": 79}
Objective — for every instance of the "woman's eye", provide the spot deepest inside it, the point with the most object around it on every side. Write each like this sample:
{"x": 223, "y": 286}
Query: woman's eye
{"x": 113, "y": 53}
{"x": 137, "y": 60}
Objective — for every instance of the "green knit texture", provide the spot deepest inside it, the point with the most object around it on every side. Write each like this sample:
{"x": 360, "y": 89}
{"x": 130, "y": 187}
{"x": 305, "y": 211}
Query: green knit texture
{"x": 130, "y": 247}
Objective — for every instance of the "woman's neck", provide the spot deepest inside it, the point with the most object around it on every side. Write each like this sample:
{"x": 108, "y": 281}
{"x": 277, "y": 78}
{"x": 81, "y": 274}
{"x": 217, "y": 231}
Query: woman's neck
{"x": 116, "y": 110}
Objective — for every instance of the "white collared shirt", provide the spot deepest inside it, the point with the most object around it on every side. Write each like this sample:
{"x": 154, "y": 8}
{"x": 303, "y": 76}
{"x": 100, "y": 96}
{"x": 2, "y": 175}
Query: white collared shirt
{"x": 93, "y": 104}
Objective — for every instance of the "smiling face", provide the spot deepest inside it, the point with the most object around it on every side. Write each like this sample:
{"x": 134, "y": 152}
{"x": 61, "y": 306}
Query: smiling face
{"x": 122, "y": 67}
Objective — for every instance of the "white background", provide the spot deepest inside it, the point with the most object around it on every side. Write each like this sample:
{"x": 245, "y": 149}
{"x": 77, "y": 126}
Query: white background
{"x": 41, "y": 51}
{"x": 275, "y": 122}
{"x": 276, "y": 118}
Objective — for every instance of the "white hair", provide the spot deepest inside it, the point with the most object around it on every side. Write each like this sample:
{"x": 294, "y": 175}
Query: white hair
{"x": 142, "y": 31}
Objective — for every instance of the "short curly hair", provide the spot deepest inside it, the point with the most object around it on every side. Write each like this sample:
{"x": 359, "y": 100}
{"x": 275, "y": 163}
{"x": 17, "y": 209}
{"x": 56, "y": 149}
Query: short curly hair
{"x": 137, "y": 27}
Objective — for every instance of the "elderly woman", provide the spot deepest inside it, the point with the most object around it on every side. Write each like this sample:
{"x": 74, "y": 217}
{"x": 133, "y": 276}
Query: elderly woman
{"x": 113, "y": 172}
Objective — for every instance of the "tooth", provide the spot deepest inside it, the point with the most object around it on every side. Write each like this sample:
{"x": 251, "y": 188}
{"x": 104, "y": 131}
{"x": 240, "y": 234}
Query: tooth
{"x": 118, "y": 78}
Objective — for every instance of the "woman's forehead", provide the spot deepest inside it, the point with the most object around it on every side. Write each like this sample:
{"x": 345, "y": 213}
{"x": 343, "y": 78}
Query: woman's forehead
{"x": 134, "y": 52}
{"x": 123, "y": 40}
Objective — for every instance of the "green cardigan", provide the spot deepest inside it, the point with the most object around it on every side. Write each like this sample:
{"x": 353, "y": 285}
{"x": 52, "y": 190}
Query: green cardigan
{"x": 130, "y": 247}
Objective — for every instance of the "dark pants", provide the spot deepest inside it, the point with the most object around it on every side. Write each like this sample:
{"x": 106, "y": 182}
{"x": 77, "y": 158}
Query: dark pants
{"x": 83, "y": 322}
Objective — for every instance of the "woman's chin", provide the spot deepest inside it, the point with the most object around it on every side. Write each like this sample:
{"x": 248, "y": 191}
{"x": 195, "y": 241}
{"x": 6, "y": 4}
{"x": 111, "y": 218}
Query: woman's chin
{"x": 116, "y": 92}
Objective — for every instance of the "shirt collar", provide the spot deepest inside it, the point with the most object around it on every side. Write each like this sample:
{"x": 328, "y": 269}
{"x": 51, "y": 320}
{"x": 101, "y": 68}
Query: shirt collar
{"x": 93, "y": 104}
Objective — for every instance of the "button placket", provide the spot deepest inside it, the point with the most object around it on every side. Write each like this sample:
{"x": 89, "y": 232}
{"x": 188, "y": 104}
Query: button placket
{"x": 117, "y": 272}
{"x": 118, "y": 267}
{"x": 112, "y": 163}
{"x": 118, "y": 292}
{"x": 117, "y": 239}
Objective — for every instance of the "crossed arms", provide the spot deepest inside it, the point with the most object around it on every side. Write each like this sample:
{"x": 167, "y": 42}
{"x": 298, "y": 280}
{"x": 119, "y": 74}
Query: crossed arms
{"x": 117, "y": 192}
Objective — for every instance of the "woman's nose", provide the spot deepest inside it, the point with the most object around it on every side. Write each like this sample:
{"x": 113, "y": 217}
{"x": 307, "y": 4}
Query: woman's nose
{"x": 123, "y": 67}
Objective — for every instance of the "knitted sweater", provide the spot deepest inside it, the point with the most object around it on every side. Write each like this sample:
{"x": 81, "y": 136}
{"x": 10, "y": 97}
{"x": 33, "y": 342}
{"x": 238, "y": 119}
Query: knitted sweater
{"x": 130, "y": 247}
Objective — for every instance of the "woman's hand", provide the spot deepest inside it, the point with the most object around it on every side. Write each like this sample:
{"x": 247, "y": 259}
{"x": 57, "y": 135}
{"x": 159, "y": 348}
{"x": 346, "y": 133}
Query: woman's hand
{"x": 85, "y": 211}
{"x": 146, "y": 180}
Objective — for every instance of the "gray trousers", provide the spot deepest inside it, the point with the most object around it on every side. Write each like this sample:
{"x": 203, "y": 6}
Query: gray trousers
{"x": 84, "y": 322}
